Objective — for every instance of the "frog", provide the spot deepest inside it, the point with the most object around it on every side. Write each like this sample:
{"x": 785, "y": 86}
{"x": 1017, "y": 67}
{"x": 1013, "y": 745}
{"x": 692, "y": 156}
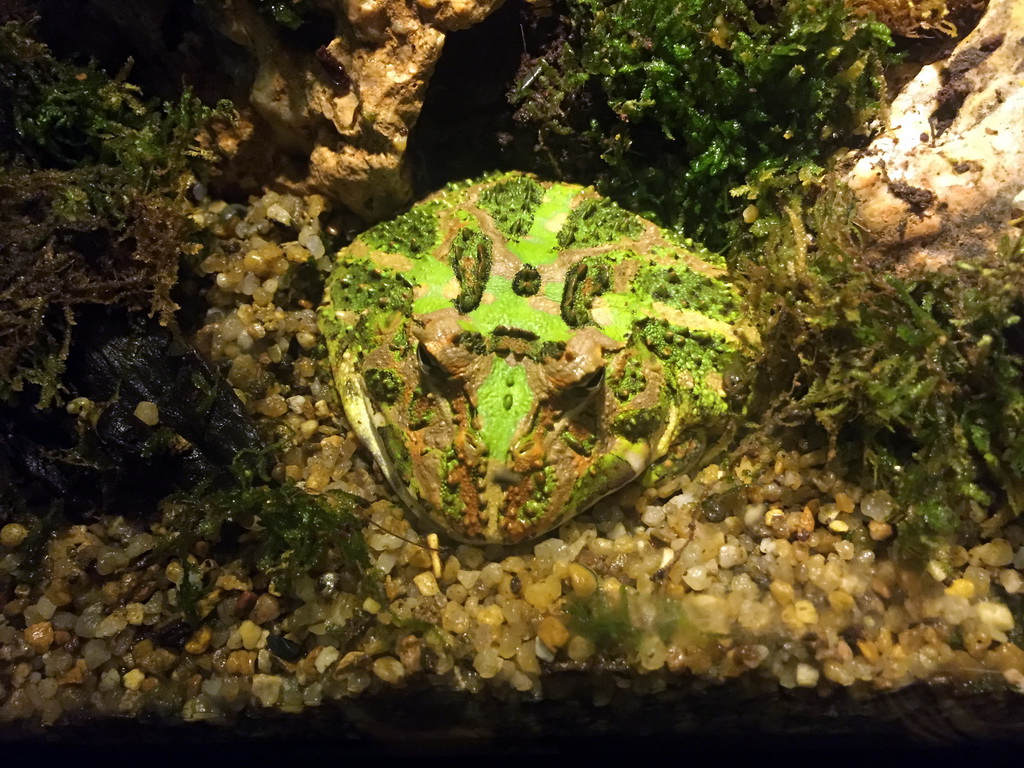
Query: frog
{"x": 511, "y": 350}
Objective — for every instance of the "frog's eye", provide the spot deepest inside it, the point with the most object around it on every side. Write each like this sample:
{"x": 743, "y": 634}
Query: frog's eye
{"x": 591, "y": 382}
{"x": 428, "y": 363}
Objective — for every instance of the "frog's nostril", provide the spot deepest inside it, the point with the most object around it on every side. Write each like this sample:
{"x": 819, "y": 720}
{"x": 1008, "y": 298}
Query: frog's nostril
{"x": 505, "y": 477}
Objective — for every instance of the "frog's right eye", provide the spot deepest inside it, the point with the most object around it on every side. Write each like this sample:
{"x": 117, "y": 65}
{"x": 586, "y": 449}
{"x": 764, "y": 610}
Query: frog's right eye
{"x": 583, "y": 389}
{"x": 591, "y": 382}
{"x": 429, "y": 364}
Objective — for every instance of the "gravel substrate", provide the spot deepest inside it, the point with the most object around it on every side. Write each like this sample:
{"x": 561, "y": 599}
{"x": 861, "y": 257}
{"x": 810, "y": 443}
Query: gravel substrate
{"x": 774, "y": 567}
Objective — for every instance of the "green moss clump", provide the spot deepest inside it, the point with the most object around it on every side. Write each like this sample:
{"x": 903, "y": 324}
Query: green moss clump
{"x": 288, "y": 13}
{"x": 604, "y": 621}
{"x": 670, "y": 105}
{"x": 915, "y": 382}
{"x": 92, "y": 183}
{"x": 618, "y": 624}
{"x": 292, "y": 533}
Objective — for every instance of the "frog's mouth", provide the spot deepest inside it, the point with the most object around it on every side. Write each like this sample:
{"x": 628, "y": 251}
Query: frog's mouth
{"x": 364, "y": 420}
{"x": 540, "y": 479}
{"x": 507, "y": 517}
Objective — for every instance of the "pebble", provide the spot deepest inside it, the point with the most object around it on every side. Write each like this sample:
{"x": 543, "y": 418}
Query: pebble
{"x": 487, "y": 663}
{"x": 996, "y": 553}
{"x": 961, "y": 588}
{"x": 579, "y": 648}
{"x": 132, "y": 680}
{"x": 199, "y": 641}
{"x": 12, "y": 534}
{"x": 491, "y": 615}
{"x": 174, "y": 572}
{"x": 325, "y": 658}
{"x": 995, "y": 615}
{"x": 652, "y": 652}
{"x": 582, "y": 579}
{"x": 250, "y": 634}
{"x": 240, "y": 662}
{"x": 731, "y": 555}
{"x": 553, "y": 633}
{"x": 283, "y": 648}
{"x": 389, "y": 669}
{"x": 266, "y": 609}
{"x": 541, "y": 594}
{"x": 95, "y": 653}
{"x": 111, "y": 625}
{"x": 805, "y": 611}
{"x": 877, "y": 506}
{"x": 426, "y": 583}
{"x": 807, "y": 675}
{"x": 148, "y": 413}
{"x": 39, "y": 636}
{"x": 371, "y": 606}
{"x": 135, "y": 614}
{"x": 267, "y": 688}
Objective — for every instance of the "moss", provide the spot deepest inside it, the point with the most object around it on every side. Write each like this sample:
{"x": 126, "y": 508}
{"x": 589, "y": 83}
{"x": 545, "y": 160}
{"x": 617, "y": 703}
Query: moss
{"x": 288, "y": 13}
{"x": 915, "y": 382}
{"x": 604, "y": 621}
{"x": 671, "y": 105}
{"x": 92, "y": 182}
{"x": 295, "y": 532}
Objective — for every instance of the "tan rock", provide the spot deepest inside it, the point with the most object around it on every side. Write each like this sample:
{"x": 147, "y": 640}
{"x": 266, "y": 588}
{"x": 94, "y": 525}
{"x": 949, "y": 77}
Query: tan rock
{"x": 349, "y": 106}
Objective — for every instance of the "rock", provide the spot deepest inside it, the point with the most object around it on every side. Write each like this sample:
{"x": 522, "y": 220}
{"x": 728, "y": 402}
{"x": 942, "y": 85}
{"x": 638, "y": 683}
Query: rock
{"x": 267, "y": 688}
{"x": 39, "y": 636}
{"x": 349, "y": 105}
{"x": 283, "y": 648}
{"x": 266, "y": 609}
{"x": 938, "y": 184}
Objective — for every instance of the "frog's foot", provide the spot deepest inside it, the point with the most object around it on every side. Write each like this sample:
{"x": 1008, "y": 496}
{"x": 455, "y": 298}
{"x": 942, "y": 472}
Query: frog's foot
{"x": 681, "y": 458}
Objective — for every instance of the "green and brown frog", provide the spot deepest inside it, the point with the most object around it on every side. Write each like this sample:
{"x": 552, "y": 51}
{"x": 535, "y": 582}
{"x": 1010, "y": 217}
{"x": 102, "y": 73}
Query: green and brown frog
{"x": 511, "y": 350}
